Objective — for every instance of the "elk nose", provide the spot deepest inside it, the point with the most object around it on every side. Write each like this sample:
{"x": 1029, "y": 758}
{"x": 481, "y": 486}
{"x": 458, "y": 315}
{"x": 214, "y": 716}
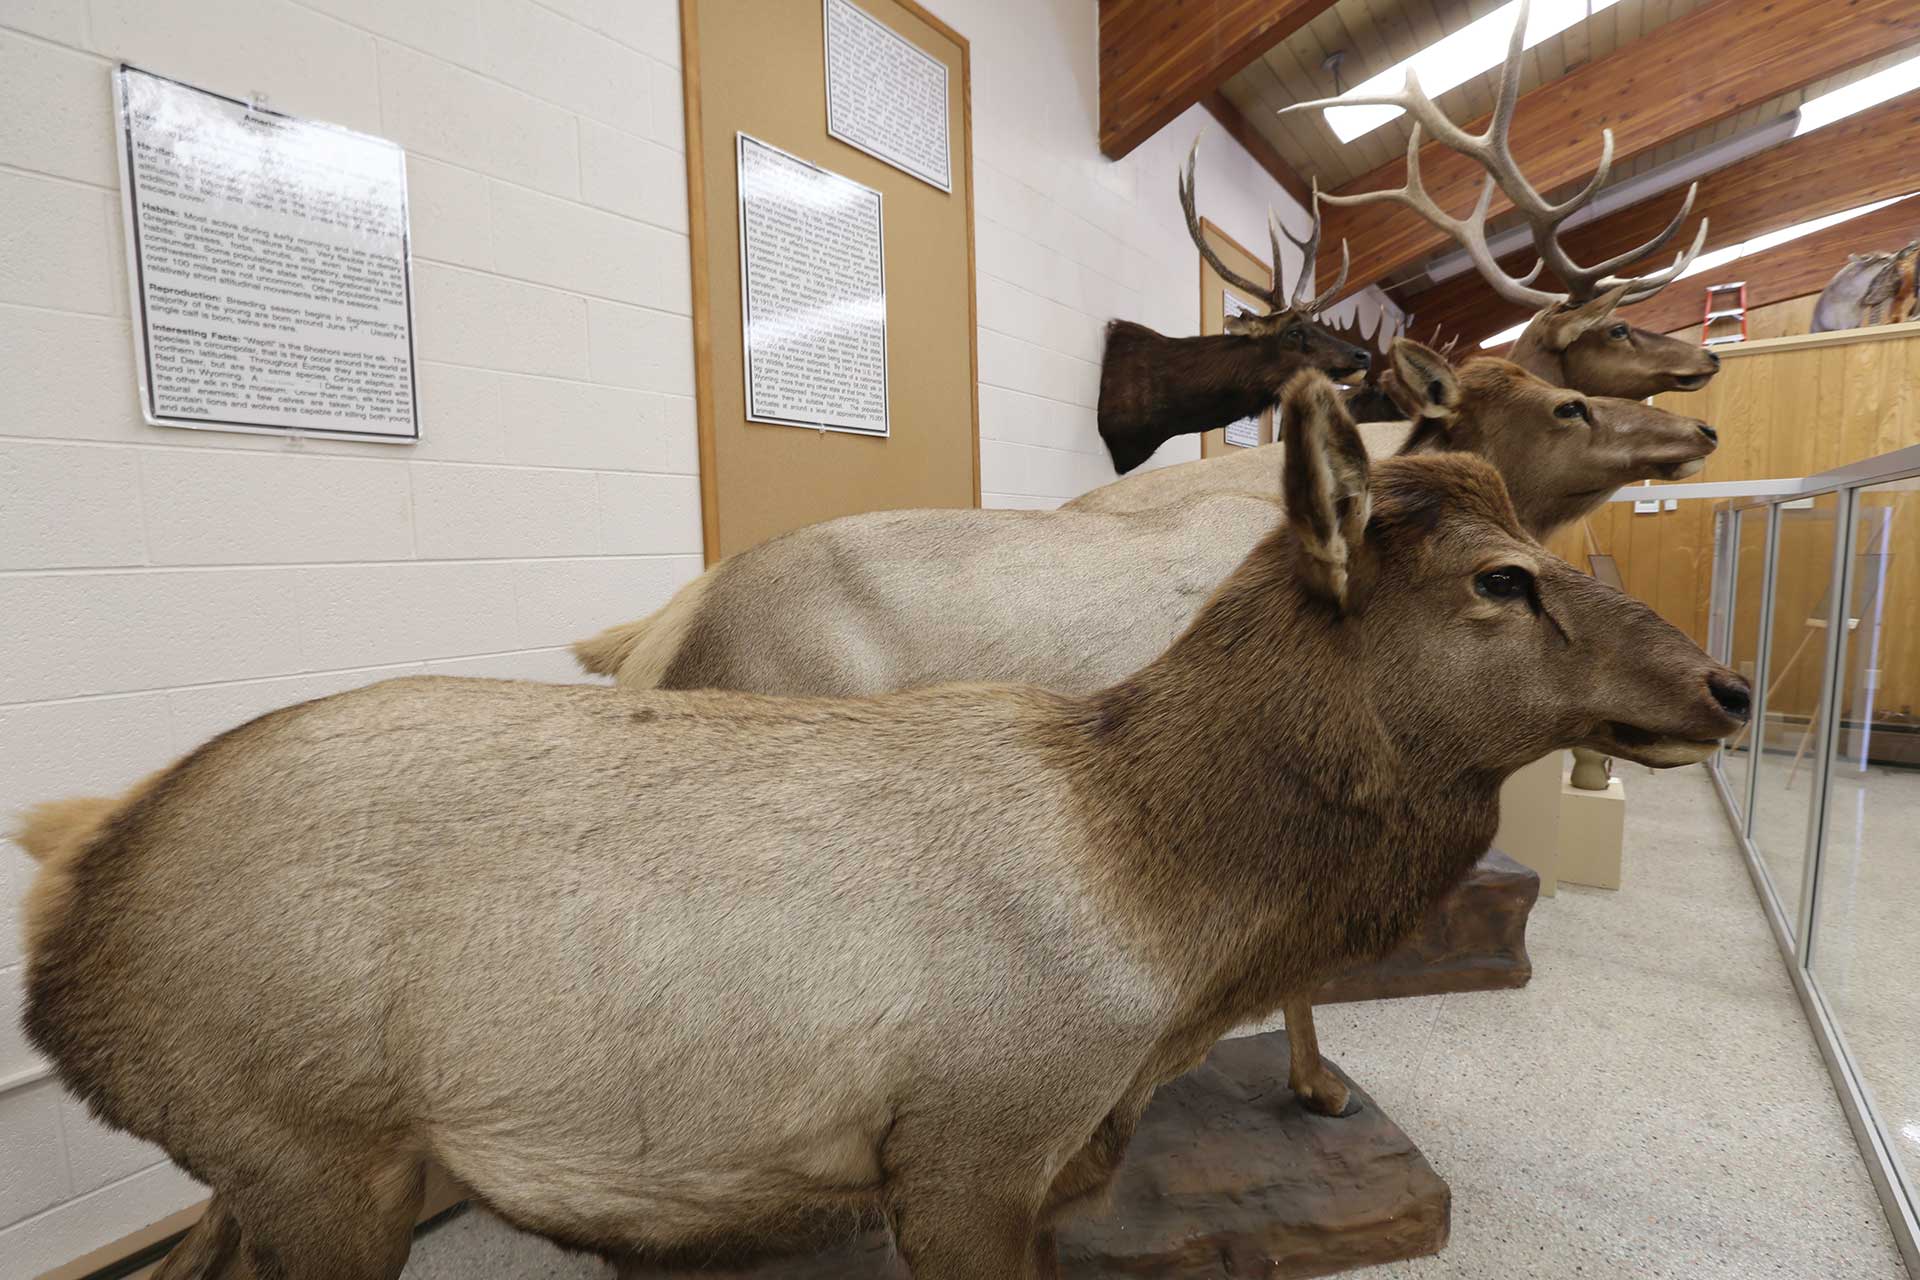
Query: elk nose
{"x": 1709, "y": 432}
{"x": 1362, "y": 360}
{"x": 1713, "y": 358}
{"x": 1733, "y": 693}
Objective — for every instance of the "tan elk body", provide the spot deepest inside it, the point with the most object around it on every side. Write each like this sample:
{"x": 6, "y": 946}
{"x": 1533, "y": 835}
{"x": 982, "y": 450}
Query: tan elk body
{"x": 683, "y": 974}
{"x": 1074, "y": 599}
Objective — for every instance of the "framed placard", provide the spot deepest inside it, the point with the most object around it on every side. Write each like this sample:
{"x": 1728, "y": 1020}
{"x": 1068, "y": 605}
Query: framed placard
{"x": 885, "y": 96}
{"x": 269, "y": 266}
{"x": 1218, "y": 301}
{"x": 813, "y": 294}
{"x": 1244, "y": 434}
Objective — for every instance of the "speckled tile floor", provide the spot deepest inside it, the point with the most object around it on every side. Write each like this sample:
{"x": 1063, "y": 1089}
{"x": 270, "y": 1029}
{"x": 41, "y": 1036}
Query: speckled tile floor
{"x": 1651, "y": 1106}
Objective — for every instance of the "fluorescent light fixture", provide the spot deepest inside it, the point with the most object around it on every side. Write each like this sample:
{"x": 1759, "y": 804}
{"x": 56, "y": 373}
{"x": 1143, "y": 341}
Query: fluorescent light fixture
{"x": 1773, "y": 239}
{"x": 1902, "y": 77}
{"x": 1505, "y": 336}
{"x": 1744, "y": 249}
{"x": 1453, "y": 60}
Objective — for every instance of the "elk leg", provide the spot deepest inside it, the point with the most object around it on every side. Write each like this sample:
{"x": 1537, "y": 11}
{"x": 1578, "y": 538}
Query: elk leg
{"x": 1318, "y": 1088}
{"x": 329, "y": 1216}
{"x": 1046, "y": 1255}
{"x": 951, "y": 1231}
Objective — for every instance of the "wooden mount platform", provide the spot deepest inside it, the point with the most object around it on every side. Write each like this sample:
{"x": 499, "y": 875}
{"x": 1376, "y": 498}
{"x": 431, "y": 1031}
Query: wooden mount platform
{"x": 1474, "y": 940}
{"x": 1227, "y": 1175}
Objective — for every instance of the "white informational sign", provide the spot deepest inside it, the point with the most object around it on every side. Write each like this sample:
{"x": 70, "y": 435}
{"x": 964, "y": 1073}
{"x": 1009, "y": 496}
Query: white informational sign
{"x": 268, "y": 262}
{"x": 813, "y": 294}
{"x": 1246, "y": 432}
{"x": 886, "y": 95}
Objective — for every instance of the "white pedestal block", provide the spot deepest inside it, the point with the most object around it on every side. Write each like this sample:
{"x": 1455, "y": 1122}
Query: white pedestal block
{"x": 1593, "y": 827}
{"x": 1530, "y": 819}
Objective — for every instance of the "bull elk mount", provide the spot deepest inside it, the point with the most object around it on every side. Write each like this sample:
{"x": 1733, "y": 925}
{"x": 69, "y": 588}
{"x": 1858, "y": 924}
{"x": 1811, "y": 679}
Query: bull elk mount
{"x": 1153, "y": 387}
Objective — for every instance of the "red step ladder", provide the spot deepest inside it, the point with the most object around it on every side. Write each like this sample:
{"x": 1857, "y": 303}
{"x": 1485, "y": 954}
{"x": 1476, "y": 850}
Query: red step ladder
{"x": 1711, "y": 315}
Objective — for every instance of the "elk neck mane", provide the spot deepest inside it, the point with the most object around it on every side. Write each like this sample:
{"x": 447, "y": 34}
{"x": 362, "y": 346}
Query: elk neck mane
{"x": 1242, "y": 786}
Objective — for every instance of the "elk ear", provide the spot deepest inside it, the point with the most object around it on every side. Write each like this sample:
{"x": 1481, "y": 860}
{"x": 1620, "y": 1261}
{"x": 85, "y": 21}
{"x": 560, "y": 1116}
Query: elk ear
{"x": 1423, "y": 382}
{"x": 1240, "y": 326}
{"x": 1563, "y": 324}
{"x": 1324, "y": 480}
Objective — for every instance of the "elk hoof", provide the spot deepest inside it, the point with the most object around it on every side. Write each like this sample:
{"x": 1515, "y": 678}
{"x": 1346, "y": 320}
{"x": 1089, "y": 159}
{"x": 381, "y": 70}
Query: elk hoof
{"x": 1333, "y": 1100}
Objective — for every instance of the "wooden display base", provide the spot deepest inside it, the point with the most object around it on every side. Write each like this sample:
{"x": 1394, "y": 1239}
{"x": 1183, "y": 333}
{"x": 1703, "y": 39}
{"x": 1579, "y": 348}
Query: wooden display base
{"x": 1475, "y": 939}
{"x": 1227, "y": 1176}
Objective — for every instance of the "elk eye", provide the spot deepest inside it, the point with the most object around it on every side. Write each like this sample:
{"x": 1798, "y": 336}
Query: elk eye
{"x": 1617, "y": 332}
{"x": 1297, "y": 339}
{"x": 1571, "y": 409}
{"x": 1510, "y": 583}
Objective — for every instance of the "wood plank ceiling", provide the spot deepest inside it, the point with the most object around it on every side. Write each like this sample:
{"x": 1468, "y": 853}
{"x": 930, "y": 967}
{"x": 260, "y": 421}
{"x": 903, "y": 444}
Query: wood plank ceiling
{"x": 1374, "y": 34}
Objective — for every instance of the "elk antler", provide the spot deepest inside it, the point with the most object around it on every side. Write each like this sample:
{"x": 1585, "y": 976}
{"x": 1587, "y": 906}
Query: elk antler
{"x": 1274, "y": 293}
{"x": 1492, "y": 150}
{"x": 1310, "y": 247}
{"x": 1444, "y": 348}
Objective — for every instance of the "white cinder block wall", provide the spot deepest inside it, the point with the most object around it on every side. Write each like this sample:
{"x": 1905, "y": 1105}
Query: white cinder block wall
{"x": 159, "y": 586}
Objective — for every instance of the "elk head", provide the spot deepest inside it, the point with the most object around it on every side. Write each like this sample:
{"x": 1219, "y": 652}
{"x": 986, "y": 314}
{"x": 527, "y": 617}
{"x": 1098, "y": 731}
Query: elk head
{"x": 1474, "y": 632}
{"x": 1286, "y": 335}
{"x": 1561, "y": 451}
{"x": 1573, "y": 339}
{"x": 1153, "y": 388}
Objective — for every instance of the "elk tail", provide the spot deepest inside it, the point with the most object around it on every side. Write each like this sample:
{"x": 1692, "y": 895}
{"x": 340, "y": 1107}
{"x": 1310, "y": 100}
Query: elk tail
{"x": 54, "y": 835}
{"x": 637, "y": 654}
{"x": 206, "y": 1250}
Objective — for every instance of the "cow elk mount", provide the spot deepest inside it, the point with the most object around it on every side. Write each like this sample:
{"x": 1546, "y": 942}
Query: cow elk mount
{"x": 1055, "y": 911}
{"x": 1073, "y": 599}
{"x": 1153, "y": 388}
{"x": 1872, "y": 289}
{"x": 1573, "y": 339}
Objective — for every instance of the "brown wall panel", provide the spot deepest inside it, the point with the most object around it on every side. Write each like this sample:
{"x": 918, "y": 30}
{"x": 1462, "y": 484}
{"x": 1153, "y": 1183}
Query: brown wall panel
{"x": 758, "y": 68}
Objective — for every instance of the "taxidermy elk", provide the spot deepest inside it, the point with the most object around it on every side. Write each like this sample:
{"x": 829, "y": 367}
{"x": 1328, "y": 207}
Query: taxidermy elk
{"x": 1873, "y": 288}
{"x": 1153, "y": 388}
{"x": 678, "y": 975}
{"x": 1072, "y": 600}
{"x": 1561, "y": 453}
{"x": 1573, "y": 340}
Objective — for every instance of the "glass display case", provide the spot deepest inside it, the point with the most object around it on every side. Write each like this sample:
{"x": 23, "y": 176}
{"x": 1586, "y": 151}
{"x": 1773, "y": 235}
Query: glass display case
{"x": 1816, "y": 597}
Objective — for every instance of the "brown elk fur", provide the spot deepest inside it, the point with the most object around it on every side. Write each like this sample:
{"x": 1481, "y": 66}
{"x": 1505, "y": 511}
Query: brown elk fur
{"x": 667, "y": 973}
{"x": 1153, "y": 388}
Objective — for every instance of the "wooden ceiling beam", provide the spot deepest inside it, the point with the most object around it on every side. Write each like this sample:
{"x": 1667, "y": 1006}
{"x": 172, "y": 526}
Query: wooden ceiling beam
{"x": 1221, "y": 108}
{"x": 1856, "y": 161}
{"x": 1159, "y": 57}
{"x": 1723, "y": 58}
{"x": 1791, "y": 270}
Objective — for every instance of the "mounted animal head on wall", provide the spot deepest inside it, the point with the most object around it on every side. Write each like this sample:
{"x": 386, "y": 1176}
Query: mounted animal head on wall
{"x": 1573, "y": 339}
{"x": 1288, "y": 325}
{"x": 1153, "y": 388}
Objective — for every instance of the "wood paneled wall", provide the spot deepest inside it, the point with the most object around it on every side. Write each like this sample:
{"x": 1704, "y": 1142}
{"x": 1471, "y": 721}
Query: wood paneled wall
{"x": 1786, "y": 409}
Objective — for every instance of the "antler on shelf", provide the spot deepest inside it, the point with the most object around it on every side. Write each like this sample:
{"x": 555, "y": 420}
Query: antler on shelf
{"x": 1491, "y": 149}
{"x": 1276, "y": 293}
